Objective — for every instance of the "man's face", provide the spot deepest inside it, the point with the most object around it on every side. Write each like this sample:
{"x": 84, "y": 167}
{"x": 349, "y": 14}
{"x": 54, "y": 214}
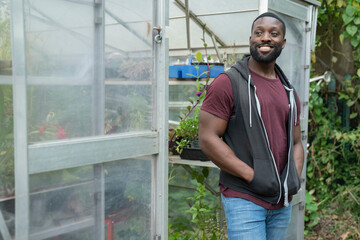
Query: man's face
{"x": 267, "y": 40}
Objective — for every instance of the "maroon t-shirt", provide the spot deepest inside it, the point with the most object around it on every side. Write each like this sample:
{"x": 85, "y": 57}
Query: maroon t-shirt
{"x": 274, "y": 106}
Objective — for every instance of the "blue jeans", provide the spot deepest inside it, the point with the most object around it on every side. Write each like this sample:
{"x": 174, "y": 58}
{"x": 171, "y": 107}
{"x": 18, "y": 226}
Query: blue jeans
{"x": 247, "y": 221}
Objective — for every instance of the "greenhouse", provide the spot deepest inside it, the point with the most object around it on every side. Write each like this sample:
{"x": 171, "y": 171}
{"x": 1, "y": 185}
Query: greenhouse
{"x": 88, "y": 92}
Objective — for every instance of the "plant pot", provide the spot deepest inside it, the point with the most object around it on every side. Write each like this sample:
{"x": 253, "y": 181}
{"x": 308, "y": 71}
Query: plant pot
{"x": 193, "y": 154}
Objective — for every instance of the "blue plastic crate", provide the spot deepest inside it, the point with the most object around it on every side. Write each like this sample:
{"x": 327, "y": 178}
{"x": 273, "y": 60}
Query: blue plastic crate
{"x": 191, "y": 71}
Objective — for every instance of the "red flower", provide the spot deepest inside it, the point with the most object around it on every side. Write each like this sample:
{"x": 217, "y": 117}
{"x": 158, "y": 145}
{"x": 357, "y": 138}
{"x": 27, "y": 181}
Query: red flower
{"x": 61, "y": 132}
{"x": 42, "y": 129}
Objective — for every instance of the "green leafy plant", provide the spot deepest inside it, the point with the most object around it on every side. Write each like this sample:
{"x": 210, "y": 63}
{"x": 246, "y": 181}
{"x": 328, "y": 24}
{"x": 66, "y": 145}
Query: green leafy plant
{"x": 205, "y": 217}
{"x": 311, "y": 215}
{"x": 187, "y": 132}
{"x": 6, "y": 142}
{"x": 188, "y": 128}
{"x": 334, "y": 133}
{"x": 332, "y": 162}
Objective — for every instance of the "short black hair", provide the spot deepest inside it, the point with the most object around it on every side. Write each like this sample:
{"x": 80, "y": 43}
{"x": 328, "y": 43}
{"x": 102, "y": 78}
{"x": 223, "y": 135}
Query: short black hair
{"x": 270, "y": 14}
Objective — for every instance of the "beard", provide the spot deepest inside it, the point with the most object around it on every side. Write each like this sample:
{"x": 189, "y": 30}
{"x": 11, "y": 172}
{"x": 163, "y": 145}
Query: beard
{"x": 272, "y": 56}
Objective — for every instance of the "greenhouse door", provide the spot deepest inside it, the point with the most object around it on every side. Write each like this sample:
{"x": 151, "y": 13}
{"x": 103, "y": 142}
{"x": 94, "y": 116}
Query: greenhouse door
{"x": 90, "y": 119}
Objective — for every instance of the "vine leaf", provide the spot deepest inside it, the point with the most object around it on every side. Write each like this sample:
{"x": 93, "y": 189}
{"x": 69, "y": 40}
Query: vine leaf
{"x": 199, "y": 57}
{"x": 354, "y": 42}
{"x": 341, "y": 37}
{"x": 351, "y": 29}
{"x": 353, "y": 115}
{"x": 357, "y": 20}
{"x": 347, "y": 19}
{"x": 350, "y": 10}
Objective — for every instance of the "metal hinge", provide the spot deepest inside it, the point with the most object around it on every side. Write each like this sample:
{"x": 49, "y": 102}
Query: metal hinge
{"x": 306, "y": 66}
{"x": 157, "y": 237}
{"x": 308, "y": 29}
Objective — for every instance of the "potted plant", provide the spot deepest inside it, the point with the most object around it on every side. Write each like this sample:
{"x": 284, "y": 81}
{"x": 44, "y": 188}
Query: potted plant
{"x": 187, "y": 144}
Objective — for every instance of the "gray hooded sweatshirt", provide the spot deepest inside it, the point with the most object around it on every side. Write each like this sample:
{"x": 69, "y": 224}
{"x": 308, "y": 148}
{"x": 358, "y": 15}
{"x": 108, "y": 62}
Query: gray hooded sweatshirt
{"x": 247, "y": 137}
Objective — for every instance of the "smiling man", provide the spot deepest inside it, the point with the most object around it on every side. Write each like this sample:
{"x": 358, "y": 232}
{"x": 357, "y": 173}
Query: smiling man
{"x": 249, "y": 127}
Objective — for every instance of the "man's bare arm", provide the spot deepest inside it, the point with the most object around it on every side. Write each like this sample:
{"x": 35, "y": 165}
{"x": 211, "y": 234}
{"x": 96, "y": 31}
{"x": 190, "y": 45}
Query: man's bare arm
{"x": 211, "y": 128}
{"x": 298, "y": 150}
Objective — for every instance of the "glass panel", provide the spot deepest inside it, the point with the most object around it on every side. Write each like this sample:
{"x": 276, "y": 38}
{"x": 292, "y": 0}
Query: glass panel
{"x": 179, "y": 99}
{"x": 60, "y": 62}
{"x": 61, "y": 200}
{"x": 177, "y": 33}
{"x": 7, "y": 185}
{"x": 58, "y": 112}
{"x": 183, "y": 186}
{"x": 59, "y": 36}
{"x": 128, "y": 199}
{"x": 128, "y": 66}
{"x": 216, "y": 21}
{"x": 292, "y": 59}
{"x": 215, "y": 6}
{"x": 226, "y": 28}
{"x": 5, "y": 39}
{"x": 174, "y": 11}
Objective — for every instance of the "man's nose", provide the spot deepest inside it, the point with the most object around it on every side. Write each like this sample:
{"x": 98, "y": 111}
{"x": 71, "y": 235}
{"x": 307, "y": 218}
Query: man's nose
{"x": 266, "y": 37}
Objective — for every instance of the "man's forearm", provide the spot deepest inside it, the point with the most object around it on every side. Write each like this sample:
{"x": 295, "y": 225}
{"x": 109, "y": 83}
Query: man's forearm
{"x": 299, "y": 157}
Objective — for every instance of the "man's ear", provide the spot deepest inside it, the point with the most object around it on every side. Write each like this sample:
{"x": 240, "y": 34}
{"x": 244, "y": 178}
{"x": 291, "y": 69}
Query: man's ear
{"x": 284, "y": 43}
{"x": 249, "y": 40}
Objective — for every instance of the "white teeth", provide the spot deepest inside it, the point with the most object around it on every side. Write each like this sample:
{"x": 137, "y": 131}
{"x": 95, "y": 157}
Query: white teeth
{"x": 265, "y": 48}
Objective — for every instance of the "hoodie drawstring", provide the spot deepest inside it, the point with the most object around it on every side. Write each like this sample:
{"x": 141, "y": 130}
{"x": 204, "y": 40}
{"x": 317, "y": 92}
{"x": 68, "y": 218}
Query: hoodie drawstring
{"x": 249, "y": 101}
{"x": 293, "y": 110}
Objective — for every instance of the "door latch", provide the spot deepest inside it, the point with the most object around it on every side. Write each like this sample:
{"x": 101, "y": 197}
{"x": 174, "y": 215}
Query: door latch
{"x": 158, "y": 36}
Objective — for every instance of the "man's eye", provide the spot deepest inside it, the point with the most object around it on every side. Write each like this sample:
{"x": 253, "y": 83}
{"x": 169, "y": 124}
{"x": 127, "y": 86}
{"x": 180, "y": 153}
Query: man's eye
{"x": 274, "y": 34}
{"x": 258, "y": 33}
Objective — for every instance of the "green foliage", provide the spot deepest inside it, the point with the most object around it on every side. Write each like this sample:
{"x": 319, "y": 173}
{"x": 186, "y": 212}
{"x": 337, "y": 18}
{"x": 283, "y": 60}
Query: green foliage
{"x": 187, "y": 131}
{"x": 5, "y": 32}
{"x": 206, "y": 218}
{"x": 207, "y": 223}
{"x": 341, "y": 20}
{"x": 333, "y": 157}
{"x": 333, "y": 153}
{"x": 6, "y": 141}
{"x": 188, "y": 189}
{"x": 351, "y": 18}
{"x": 311, "y": 215}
